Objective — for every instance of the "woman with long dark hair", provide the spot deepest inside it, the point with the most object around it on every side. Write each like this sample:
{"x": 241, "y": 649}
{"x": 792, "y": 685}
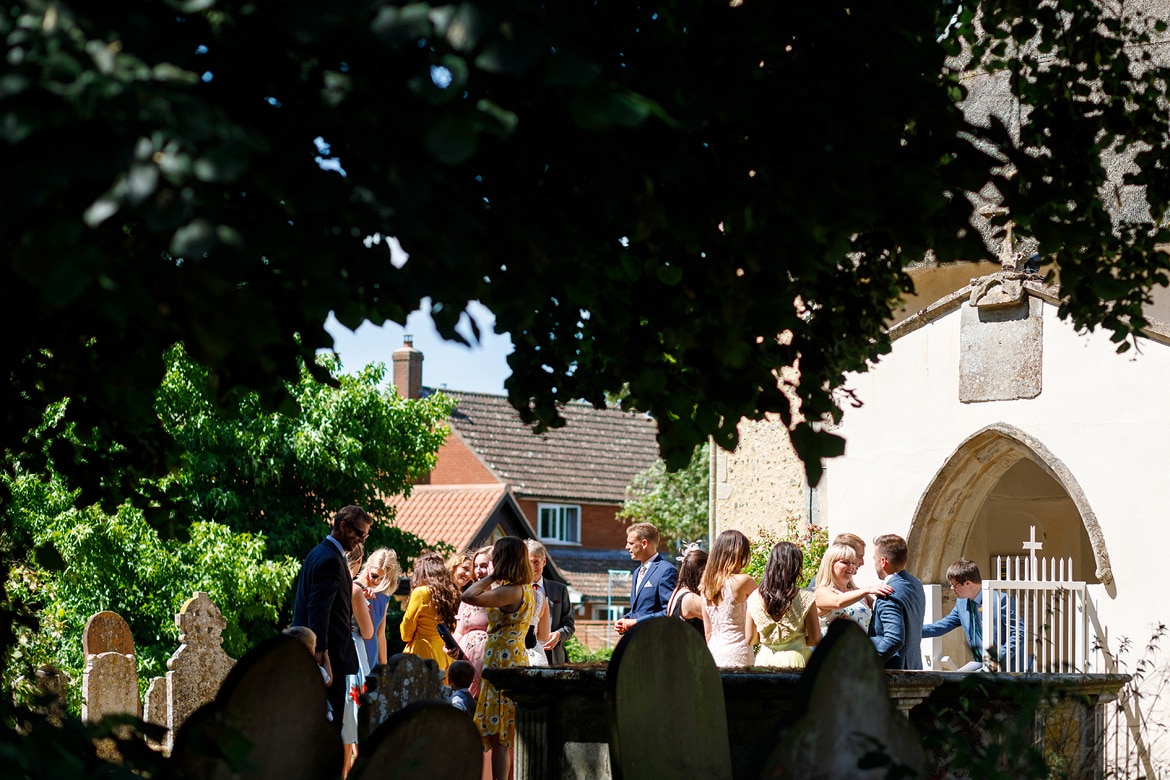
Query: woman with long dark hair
{"x": 781, "y": 616}
{"x": 685, "y": 602}
{"x": 434, "y": 599}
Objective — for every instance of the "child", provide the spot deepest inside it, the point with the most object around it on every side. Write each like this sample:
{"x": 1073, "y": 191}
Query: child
{"x": 308, "y": 638}
{"x": 459, "y": 677}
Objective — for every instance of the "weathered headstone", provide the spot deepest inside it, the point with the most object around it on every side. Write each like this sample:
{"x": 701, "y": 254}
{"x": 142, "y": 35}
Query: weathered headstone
{"x": 667, "y": 715}
{"x": 844, "y": 715}
{"x": 154, "y": 706}
{"x": 268, "y": 720}
{"x": 199, "y": 666}
{"x": 109, "y": 684}
{"x": 50, "y": 686}
{"x": 107, "y": 632}
{"x": 424, "y": 741}
{"x": 403, "y": 680}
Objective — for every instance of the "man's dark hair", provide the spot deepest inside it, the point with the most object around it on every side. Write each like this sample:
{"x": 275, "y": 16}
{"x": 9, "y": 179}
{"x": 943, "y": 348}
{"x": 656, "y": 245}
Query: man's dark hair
{"x": 351, "y": 514}
{"x": 964, "y": 570}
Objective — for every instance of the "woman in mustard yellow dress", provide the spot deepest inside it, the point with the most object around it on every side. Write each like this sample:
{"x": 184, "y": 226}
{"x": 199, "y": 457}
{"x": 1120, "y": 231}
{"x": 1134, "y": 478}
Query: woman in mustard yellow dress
{"x": 434, "y": 599}
{"x": 507, "y": 593}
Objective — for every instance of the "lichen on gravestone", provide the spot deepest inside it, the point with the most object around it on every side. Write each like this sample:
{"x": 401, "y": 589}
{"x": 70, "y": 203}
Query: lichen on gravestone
{"x": 403, "y": 680}
{"x": 199, "y": 666}
{"x": 109, "y": 685}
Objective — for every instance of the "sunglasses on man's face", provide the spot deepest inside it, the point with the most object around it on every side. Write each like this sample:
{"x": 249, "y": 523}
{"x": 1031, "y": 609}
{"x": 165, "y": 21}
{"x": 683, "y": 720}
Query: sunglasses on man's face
{"x": 359, "y": 534}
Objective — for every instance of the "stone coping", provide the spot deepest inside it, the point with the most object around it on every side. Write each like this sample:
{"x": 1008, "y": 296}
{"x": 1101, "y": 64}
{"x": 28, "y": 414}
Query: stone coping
{"x": 532, "y": 684}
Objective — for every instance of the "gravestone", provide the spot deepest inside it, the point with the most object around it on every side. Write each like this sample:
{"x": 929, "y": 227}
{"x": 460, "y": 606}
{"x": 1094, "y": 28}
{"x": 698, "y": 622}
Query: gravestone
{"x": 268, "y": 720}
{"x": 665, "y": 697}
{"x": 403, "y": 680}
{"x": 199, "y": 667}
{"x": 109, "y": 684}
{"x": 154, "y": 706}
{"x": 424, "y": 741}
{"x": 844, "y": 715}
{"x": 107, "y": 632}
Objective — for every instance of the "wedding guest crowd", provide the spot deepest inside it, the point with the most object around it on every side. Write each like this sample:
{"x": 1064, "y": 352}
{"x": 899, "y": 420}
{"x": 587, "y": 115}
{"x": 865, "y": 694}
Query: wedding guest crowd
{"x": 493, "y": 608}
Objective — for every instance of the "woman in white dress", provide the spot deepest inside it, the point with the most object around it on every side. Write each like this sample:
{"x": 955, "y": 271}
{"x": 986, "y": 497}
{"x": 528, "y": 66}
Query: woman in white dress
{"x": 725, "y": 589}
{"x": 837, "y": 595}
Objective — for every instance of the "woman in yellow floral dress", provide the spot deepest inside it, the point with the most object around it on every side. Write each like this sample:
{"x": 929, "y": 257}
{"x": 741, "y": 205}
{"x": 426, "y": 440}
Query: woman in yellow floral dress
{"x": 507, "y": 593}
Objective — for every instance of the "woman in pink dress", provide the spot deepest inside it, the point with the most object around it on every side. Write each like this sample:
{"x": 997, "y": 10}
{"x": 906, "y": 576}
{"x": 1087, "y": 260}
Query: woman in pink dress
{"x": 725, "y": 589}
{"x": 472, "y": 621}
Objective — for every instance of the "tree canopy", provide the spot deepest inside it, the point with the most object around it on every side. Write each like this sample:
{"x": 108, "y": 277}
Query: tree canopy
{"x": 644, "y": 194}
{"x": 675, "y": 502}
{"x": 250, "y": 488}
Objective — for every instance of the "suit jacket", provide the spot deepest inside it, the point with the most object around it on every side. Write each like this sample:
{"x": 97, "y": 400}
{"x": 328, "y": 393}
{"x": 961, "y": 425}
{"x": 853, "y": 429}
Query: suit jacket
{"x": 323, "y": 604}
{"x": 1007, "y": 631}
{"x": 560, "y": 615}
{"x": 649, "y": 597}
{"x": 896, "y": 628}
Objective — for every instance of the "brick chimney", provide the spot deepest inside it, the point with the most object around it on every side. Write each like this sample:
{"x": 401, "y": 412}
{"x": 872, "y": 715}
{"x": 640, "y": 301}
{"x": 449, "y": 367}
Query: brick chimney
{"x": 408, "y": 369}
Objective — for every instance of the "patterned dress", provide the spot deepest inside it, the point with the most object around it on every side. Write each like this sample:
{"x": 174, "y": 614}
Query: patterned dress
{"x": 473, "y": 624}
{"x": 496, "y": 714}
{"x": 782, "y": 643}
{"x": 859, "y": 612}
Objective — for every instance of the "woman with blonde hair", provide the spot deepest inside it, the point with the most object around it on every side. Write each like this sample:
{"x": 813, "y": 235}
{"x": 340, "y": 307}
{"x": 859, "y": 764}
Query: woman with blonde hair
{"x": 459, "y": 566}
{"x": 781, "y": 616}
{"x": 725, "y": 588}
{"x": 376, "y": 582}
{"x": 837, "y": 596}
{"x": 472, "y": 621}
{"x": 508, "y": 596}
{"x": 433, "y": 600}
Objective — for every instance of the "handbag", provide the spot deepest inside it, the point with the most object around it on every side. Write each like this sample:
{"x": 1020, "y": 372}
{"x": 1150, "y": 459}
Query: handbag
{"x": 530, "y": 638}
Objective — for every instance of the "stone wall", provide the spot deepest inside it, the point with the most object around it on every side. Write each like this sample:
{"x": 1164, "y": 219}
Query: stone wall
{"x": 761, "y": 484}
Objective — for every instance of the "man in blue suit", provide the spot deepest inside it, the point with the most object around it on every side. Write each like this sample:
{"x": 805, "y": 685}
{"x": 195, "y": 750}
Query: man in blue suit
{"x": 896, "y": 628}
{"x": 1006, "y": 648}
{"x": 324, "y": 602}
{"x": 653, "y": 580}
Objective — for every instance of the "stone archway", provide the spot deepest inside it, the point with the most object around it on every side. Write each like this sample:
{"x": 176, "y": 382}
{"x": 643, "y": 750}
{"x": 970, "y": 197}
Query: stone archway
{"x": 951, "y": 506}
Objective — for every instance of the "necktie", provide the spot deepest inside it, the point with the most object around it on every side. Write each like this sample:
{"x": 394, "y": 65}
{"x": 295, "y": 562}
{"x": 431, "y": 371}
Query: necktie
{"x": 976, "y": 629}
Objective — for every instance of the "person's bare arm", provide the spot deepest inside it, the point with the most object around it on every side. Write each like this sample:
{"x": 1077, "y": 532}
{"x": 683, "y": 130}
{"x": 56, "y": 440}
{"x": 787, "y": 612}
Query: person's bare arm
{"x": 505, "y": 597}
{"x": 812, "y": 627}
{"x": 361, "y": 611}
{"x": 828, "y": 599}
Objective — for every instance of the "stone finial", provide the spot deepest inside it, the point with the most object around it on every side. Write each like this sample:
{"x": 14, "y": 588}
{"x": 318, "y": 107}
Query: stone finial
{"x": 200, "y": 621}
{"x": 199, "y": 666}
{"x": 107, "y": 632}
{"x": 401, "y": 681}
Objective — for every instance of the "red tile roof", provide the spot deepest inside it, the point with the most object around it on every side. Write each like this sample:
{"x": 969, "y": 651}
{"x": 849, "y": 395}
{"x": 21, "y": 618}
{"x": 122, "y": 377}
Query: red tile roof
{"x": 454, "y": 514}
{"x": 594, "y": 457}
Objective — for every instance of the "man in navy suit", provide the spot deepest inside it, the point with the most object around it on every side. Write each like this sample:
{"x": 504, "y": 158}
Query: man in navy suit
{"x": 323, "y": 602}
{"x": 1006, "y": 648}
{"x": 654, "y": 578}
{"x": 896, "y": 628}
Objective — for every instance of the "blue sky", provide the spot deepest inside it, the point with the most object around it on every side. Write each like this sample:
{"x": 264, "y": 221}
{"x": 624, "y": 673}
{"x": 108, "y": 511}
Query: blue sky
{"x": 445, "y": 364}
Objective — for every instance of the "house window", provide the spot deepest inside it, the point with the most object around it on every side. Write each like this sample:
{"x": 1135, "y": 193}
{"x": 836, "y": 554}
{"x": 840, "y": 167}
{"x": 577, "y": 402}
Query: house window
{"x": 560, "y": 523}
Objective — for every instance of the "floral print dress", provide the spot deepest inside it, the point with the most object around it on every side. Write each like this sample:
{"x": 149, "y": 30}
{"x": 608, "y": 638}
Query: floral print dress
{"x": 496, "y": 714}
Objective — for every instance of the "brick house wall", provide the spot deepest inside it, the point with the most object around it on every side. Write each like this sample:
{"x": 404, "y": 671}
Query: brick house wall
{"x": 458, "y": 465}
{"x": 599, "y": 527}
